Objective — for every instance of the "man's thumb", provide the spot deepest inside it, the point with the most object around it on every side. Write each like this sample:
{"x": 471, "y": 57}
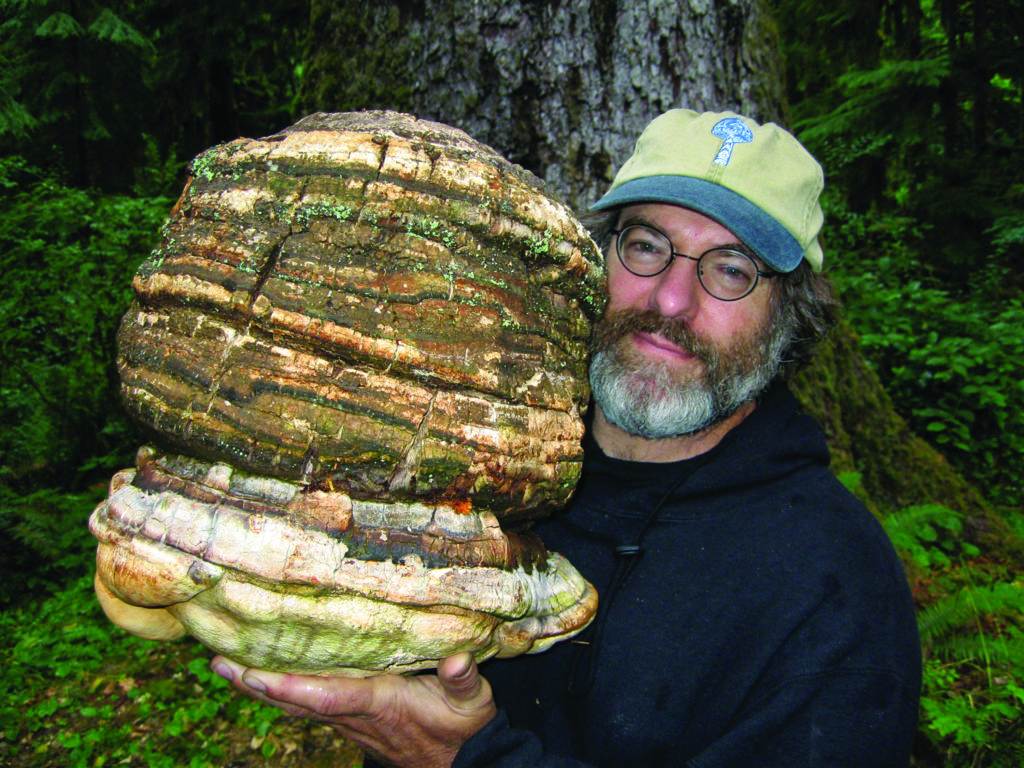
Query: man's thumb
{"x": 461, "y": 679}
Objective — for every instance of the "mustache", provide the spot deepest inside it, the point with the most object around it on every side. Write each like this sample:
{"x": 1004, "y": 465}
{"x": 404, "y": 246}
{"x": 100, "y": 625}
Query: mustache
{"x": 616, "y": 325}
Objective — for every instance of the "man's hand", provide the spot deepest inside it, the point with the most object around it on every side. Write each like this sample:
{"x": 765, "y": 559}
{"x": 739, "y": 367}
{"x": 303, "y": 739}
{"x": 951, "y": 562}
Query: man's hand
{"x": 420, "y": 720}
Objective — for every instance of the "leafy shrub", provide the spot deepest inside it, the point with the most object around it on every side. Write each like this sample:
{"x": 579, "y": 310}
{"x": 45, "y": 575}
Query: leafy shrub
{"x": 43, "y": 540}
{"x": 971, "y": 729}
{"x": 973, "y": 684}
{"x": 67, "y": 257}
{"x": 952, "y": 362}
{"x": 928, "y": 534}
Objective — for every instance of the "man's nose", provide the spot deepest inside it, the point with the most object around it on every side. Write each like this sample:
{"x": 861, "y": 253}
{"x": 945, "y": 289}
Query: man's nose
{"x": 678, "y": 291}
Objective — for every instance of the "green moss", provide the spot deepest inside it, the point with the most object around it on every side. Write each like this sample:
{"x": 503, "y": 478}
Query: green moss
{"x": 203, "y": 166}
{"x": 540, "y": 246}
{"x": 440, "y": 471}
{"x": 281, "y": 185}
{"x": 322, "y": 210}
{"x": 431, "y": 228}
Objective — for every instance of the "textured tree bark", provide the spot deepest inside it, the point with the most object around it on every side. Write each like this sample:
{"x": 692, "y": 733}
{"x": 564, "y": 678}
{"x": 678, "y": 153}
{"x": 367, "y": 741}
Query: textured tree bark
{"x": 562, "y": 88}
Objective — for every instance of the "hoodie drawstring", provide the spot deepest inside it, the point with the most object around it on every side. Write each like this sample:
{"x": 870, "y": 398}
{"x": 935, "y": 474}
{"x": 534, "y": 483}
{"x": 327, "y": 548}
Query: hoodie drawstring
{"x": 583, "y": 672}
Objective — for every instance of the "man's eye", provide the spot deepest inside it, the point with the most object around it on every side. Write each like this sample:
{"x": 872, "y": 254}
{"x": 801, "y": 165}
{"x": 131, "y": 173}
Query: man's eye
{"x": 645, "y": 254}
{"x": 729, "y": 270}
{"x": 645, "y": 249}
{"x": 640, "y": 245}
{"x": 732, "y": 272}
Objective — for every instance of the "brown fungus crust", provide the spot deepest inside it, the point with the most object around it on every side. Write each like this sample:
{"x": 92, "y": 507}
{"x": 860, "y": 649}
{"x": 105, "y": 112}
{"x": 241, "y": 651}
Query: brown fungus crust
{"x": 375, "y": 301}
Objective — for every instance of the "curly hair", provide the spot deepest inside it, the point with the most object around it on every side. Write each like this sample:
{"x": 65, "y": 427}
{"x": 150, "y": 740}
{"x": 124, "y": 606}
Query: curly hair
{"x": 802, "y": 301}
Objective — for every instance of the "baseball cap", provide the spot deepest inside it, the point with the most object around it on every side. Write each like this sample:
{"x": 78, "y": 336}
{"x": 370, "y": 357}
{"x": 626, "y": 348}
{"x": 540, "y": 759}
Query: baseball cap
{"x": 756, "y": 180}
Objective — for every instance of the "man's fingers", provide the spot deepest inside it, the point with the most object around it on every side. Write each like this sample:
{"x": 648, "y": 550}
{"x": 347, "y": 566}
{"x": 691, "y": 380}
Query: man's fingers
{"x": 328, "y": 696}
{"x": 226, "y": 668}
{"x": 324, "y": 696}
{"x": 234, "y": 672}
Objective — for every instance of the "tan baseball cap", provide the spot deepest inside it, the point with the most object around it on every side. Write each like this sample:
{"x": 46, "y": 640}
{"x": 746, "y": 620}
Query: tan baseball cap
{"x": 756, "y": 180}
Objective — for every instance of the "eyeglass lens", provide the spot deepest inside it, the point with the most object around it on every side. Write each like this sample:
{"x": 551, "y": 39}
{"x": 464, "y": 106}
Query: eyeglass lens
{"x": 724, "y": 273}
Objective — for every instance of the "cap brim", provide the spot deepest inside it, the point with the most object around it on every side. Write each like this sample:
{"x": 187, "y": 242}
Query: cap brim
{"x": 772, "y": 242}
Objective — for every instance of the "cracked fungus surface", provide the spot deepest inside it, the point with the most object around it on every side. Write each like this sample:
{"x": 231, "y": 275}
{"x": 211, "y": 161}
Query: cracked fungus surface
{"x": 360, "y": 350}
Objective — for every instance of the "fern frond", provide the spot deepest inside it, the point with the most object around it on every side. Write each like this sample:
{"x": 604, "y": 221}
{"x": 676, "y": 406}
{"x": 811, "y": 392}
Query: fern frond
{"x": 943, "y": 618}
{"x": 969, "y": 647}
{"x": 915, "y": 532}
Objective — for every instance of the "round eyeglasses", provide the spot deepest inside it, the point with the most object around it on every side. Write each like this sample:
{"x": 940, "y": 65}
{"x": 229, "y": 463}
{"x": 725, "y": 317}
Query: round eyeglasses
{"x": 725, "y": 273}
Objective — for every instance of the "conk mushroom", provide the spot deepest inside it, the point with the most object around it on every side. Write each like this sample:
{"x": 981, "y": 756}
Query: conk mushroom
{"x": 360, "y": 352}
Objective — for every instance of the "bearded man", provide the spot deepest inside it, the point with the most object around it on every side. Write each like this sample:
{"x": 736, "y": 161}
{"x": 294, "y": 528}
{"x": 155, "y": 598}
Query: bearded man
{"x": 752, "y": 611}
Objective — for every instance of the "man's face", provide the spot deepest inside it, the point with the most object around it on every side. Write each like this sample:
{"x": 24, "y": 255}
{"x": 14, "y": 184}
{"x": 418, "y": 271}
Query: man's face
{"x": 670, "y": 359}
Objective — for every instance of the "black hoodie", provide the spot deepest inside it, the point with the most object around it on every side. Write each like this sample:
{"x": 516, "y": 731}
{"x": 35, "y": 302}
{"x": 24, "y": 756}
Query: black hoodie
{"x": 764, "y": 621}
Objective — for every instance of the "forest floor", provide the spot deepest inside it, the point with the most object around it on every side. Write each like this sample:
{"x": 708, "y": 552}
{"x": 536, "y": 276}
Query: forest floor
{"x": 79, "y": 691}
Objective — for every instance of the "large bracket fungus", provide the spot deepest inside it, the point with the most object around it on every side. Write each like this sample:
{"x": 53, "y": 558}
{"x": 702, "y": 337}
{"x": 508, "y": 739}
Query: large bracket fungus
{"x": 361, "y": 350}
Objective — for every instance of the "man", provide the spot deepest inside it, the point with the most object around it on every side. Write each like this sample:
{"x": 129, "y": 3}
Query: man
{"x": 752, "y": 612}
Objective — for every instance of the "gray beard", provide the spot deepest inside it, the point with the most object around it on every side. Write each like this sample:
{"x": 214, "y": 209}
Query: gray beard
{"x": 648, "y": 401}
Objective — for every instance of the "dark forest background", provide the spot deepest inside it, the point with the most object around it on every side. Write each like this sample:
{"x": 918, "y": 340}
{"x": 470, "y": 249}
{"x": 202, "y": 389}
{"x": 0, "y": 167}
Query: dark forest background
{"x": 914, "y": 108}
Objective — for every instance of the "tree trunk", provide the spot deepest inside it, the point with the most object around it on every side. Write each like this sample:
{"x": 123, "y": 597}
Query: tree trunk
{"x": 562, "y": 88}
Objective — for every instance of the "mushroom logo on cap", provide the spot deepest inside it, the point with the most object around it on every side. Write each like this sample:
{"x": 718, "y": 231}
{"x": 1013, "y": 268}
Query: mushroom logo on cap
{"x": 731, "y": 131}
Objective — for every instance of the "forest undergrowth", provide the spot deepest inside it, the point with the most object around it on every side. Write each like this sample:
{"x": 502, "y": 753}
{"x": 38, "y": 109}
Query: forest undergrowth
{"x": 78, "y": 692}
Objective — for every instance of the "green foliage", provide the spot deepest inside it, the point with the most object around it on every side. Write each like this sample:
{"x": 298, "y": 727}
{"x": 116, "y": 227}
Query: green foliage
{"x": 972, "y": 700}
{"x": 222, "y": 70}
{"x": 44, "y": 540}
{"x": 876, "y": 99}
{"x": 88, "y": 91}
{"x": 852, "y": 481}
{"x": 1007, "y": 231}
{"x": 914, "y": 110}
{"x": 973, "y": 730}
{"x": 59, "y": 25}
{"x": 79, "y": 692}
{"x": 972, "y": 635}
{"x": 61, "y": 62}
{"x": 938, "y": 622}
{"x": 953, "y": 361}
{"x": 108, "y": 26}
{"x": 67, "y": 257}
{"x": 929, "y": 534}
